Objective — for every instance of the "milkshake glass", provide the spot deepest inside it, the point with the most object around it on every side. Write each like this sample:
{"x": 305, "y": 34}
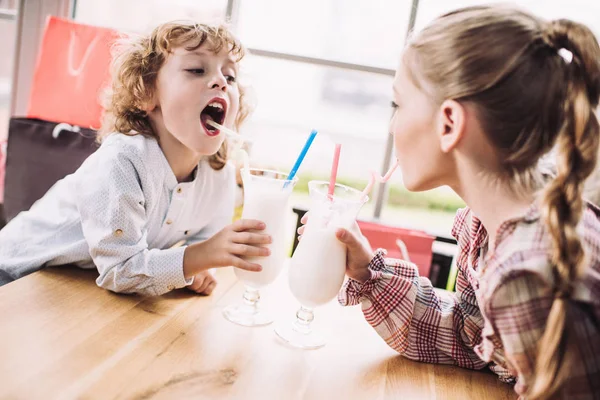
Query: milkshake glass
{"x": 266, "y": 195}
{"x": 318, "y": 265}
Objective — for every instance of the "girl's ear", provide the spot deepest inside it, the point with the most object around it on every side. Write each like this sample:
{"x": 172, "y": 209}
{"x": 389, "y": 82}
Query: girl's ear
{"x": 452, "y": 125}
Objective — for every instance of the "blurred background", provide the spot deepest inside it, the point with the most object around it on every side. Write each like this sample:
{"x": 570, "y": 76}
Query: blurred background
{"x": 322, "y": 64}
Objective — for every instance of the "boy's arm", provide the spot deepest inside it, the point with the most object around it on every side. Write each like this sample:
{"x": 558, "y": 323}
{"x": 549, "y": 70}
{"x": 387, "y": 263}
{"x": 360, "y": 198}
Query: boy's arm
{"x": 114, "y": 224}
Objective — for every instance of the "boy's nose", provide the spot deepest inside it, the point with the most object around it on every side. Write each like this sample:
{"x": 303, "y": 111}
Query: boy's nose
{"x": 218, "y": 82}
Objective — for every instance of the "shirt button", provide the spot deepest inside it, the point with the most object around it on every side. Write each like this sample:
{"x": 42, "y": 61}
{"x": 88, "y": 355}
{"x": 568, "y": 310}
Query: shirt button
{"x": 170, "y": 287}
{"x": 119, "y": 232}
{"x": 169, "y": 222}
{"x": 179, "y": 190}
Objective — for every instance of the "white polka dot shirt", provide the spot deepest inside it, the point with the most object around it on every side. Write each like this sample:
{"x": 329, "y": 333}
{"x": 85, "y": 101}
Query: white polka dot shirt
{"x": 120, "y": 212}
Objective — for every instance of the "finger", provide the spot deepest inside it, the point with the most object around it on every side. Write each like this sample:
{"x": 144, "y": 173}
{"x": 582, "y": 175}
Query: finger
{"x": 198, "y": 281}
{"x": 348, "y": 238}
{"x": 245, "y": 265}
{"x": 301, "y": 230}
{"x": 304, "y": 219}
{"x": 242, "y": 225}
{"x": 252, "y": 238}
{"x": 300, "y": 238}
{"x": 204, "y": 285}
{"x": 200, "y": 288}
{"x": 209, "y": 289}
{"x": 250, "y": 251}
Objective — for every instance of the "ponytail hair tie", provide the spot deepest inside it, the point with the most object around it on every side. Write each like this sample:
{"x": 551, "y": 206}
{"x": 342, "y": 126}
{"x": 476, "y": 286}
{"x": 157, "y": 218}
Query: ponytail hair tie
{"x": 566, "y": 55}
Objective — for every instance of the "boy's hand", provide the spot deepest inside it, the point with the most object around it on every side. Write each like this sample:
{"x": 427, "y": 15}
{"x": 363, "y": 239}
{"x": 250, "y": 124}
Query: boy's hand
{"x": 227, "y": 247}
{"x": 204, "y": 282}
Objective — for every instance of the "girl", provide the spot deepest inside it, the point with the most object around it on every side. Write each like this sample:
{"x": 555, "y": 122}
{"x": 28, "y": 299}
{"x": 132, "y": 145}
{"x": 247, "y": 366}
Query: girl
{"x": 160, "y": 175}
{"x": 480, "y": 95}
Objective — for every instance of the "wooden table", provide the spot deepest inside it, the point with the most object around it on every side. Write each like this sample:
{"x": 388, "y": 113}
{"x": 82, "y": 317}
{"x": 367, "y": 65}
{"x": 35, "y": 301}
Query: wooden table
{"x": 63, "y": 337}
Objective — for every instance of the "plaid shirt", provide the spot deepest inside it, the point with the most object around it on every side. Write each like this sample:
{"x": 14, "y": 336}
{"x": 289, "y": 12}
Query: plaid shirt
{"x": 498, "y": 313}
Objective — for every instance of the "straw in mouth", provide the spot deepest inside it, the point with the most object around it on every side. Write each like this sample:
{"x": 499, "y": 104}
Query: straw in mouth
{"x": 376, "y": 177}
{"x": 229, "y": 132}
{"x": 236, "y": 137}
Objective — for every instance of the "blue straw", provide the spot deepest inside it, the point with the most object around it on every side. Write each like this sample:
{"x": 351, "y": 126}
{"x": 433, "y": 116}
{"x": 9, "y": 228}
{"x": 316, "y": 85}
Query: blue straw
{"x": 307, "y": 145}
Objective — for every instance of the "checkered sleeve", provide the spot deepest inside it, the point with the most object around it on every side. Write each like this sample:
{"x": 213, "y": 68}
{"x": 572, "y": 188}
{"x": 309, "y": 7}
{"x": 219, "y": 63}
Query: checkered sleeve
{"x": 419, "y": 322}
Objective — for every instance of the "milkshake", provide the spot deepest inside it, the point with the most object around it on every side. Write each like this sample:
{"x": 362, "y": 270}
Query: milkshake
{"x": 318, "y": 265}
{"x": 266, "y": 195}
{"x": 266, "y": 200}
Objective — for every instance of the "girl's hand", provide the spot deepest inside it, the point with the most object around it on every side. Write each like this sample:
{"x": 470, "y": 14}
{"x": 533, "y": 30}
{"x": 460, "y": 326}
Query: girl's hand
{"x": 359, "y": 252}
{"x": 304, "y": 220}
{"x": 204, "y": 282}
{"x": 227, "y": 247}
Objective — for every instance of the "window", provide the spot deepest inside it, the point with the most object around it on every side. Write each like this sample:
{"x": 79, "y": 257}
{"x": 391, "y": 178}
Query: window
{"x": 143, "y": 15}
{"x": 347, "y": 107}
{"x": 341, "y": 30}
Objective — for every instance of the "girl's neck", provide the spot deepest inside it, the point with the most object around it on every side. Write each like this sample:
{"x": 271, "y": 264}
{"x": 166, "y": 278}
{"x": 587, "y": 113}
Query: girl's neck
{"x": 491, "y": 199}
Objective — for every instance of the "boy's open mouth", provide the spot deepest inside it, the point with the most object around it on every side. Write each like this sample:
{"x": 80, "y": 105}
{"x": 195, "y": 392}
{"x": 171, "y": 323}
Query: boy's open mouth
{"x": 214, "y": 111}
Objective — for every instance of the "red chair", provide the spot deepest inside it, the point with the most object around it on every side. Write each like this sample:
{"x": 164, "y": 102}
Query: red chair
{"x": 418, "y": 243}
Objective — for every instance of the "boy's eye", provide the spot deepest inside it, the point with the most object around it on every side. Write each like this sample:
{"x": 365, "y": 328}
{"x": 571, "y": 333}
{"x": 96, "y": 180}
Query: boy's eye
{"x": 196, "y": 71}
{"x": 230, "y": 78}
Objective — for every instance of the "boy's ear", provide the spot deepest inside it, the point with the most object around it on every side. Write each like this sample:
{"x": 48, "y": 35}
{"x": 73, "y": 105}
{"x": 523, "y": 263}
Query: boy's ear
{"x": 149, "y": 104}
{"x": 452, "y": 125}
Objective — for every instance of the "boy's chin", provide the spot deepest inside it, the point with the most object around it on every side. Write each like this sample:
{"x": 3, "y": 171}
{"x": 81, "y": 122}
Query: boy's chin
{"x": 208, "y": 148}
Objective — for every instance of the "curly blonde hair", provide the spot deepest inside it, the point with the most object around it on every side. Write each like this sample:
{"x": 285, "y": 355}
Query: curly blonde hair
{"x": 135, "y": 66}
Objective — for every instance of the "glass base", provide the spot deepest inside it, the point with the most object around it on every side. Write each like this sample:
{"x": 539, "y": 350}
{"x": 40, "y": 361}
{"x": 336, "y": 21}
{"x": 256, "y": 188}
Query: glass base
{"x": 248, "y": 313}
{"x": 247, "y": 316}
{"x": 295, "y": 336}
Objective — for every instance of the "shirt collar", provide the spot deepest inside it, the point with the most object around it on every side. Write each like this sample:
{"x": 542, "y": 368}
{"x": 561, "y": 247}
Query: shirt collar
{"x": 480, "y": 235}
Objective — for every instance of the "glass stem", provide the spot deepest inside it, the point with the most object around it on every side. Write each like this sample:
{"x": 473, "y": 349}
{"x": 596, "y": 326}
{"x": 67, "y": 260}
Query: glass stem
{"x": 304, "y": 316}
{"x": 251, "y": 298}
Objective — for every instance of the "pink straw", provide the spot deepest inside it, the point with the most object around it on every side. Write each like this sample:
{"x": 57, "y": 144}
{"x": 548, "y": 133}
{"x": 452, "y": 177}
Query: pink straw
{"x": 334, "y": 169}
{"x": 375, "y": 176}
